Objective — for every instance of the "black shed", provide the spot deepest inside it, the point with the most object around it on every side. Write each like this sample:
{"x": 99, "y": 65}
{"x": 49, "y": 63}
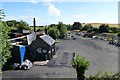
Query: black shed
{"x": 43, "y": 48}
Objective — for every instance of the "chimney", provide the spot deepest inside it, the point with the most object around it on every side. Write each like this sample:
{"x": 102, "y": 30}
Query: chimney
{"x": 46, "y": 30}
{"x": 34, "y": 22}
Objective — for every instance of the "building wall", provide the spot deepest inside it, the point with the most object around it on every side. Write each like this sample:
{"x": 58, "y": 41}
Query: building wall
{"x": 38, "y": 48}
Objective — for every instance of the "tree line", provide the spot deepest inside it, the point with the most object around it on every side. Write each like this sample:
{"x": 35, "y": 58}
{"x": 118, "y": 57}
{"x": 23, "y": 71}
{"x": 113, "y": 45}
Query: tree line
{"x": 18, "y": 25}
{"x": 103, "y": 28}
{"x": 59, "y": 30}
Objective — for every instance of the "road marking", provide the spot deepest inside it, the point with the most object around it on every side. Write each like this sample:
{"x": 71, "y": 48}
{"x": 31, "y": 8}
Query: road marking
{"x": 57, "y": 62}
{"x": 65, "y": 59}
{"x": 70, "y": 58}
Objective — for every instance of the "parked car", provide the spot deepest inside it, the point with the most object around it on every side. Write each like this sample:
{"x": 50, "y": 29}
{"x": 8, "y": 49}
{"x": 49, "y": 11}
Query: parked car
{"x": 89, "y": 35}
{"x": 95, "y": 37}
{"x": 81, "y": 33}
{"x": 117, "y": 43}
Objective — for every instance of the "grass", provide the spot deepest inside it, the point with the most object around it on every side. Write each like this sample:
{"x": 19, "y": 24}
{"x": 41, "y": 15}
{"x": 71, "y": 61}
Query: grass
{"x": 41, "y": 28}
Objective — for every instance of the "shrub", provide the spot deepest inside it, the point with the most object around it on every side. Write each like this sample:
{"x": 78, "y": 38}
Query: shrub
{"x": 118, "y": 34}
{"x": 5, "y": 45}
{"x": 104, "y": 28}
{"x": 105, "y": 76}
{"x": 54, "y": 33}
{"x": 81, "y": 65}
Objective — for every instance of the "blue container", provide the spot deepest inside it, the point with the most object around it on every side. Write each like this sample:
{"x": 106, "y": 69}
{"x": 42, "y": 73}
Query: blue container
{"x": 22, "y": 52}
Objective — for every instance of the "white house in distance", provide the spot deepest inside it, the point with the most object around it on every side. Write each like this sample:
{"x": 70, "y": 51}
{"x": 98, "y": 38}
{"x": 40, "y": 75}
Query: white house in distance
{"x": 71, "y": 35}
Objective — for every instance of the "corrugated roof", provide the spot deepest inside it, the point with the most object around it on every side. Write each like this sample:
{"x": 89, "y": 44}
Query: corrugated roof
{"x": 49, "y": 40}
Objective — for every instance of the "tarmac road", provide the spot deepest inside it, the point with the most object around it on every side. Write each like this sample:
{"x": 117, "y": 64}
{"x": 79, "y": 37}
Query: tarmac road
{"x": 102, "y": 57}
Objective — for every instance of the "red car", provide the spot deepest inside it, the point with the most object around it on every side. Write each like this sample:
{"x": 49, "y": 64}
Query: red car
{"x": 89, "y": 35}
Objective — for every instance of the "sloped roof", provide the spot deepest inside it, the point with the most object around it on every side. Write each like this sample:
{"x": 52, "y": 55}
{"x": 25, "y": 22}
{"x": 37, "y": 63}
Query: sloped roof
{"x": 49, "y": 40}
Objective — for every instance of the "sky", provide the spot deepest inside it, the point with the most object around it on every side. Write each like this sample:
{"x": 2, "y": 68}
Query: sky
{"x": 50, "y": 12}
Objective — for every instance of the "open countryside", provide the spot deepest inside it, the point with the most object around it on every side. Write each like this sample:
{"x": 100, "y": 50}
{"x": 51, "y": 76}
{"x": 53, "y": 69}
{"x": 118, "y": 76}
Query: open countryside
{"x": 81, "y": 49}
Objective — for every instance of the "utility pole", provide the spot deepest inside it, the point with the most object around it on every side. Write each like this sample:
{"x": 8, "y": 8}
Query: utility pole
{"x": 34, "y": 24}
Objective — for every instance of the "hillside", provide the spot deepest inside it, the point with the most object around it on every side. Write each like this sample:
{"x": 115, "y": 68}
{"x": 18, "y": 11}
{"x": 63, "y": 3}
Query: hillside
{"x": 98, "y": 24}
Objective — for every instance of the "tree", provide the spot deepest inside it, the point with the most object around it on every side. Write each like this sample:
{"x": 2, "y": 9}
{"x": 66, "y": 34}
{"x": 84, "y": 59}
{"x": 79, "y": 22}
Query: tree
{"x": 23, "y": 25}
{"x": 104, "y": 28}
{"x": 87, "y": 27}
{"x": 11, "y": 23}
{"x": 69, "y": 27}
{"x": 59, "y": 25}
{"x": 114, "y": 29}
{"x": 1, "y": 14}
{"x": 95, "y": 30}
{"x": 52, "y": 25}
{"x": 5, "y": 44}
{"x": 18, "y": 25}
{"x": 76, "y": 26}
{"x": 62, "y": 29}
{"x": 54, "y": 33}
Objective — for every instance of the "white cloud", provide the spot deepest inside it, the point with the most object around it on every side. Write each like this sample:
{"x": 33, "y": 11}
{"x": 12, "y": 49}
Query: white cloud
{"x": 53, "y": 10}
{"x": 78, "y": 16}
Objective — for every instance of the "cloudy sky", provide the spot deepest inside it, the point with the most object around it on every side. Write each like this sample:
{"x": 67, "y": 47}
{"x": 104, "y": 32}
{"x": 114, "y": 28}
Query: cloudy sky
{"x": 51, "y": 11}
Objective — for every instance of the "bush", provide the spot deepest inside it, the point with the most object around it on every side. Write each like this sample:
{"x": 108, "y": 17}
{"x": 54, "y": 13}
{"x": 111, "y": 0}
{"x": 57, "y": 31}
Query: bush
{"x": 105, "y": 76}
{"x": 87, "y": 27}
{"x": 118, "y": 34}
{"x": 5, "y": 45}
{"x": 114, "y": 29}
{"x": 81, "y": 65}
{"x": 104, "y": 28}
{"x": 54, "y": 33}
